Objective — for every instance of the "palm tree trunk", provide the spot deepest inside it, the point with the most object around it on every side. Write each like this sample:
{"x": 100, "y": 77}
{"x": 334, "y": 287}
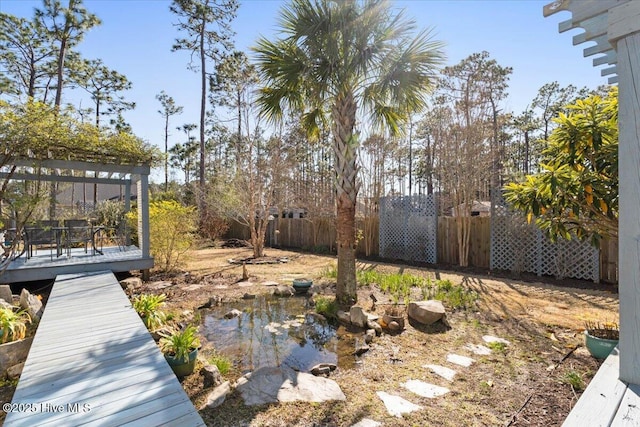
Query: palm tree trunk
{"x": 345, "y": 146}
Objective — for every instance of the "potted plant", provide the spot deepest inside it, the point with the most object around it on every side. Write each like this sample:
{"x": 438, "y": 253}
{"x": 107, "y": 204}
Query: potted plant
{"x": 601, "y": 338}
{"x": 180, "y": 349}
{"x": 148, "y": 308}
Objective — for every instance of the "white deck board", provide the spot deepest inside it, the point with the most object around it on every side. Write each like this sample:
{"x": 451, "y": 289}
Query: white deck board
{"x": 44, "y": 266}
{"x": 628, "y": 414}
{"x": 599, "y": 403}
{"x": 91, "y": 348}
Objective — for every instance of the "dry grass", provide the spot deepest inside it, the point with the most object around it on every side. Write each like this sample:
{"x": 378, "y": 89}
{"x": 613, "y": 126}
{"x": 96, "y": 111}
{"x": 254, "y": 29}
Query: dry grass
{"x": 541, "y": 321}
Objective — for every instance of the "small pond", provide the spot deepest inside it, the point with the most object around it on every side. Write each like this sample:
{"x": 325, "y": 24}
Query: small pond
{"x": 278, "y": 332}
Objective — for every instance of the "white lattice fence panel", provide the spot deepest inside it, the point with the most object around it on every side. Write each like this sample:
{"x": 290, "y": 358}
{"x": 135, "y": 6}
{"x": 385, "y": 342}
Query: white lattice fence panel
{"x": 521, "y": 247}
{"x": 408, "y": 228}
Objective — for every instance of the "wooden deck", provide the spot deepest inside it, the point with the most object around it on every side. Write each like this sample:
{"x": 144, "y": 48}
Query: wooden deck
{"x": 44, "y": 265}
{"x": 607, "y": 401}
{"x": 93, "y": 362}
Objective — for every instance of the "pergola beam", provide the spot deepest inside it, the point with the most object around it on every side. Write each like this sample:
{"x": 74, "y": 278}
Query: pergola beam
{"x": 19, "y": 176}
{"x": 82, "y": 166}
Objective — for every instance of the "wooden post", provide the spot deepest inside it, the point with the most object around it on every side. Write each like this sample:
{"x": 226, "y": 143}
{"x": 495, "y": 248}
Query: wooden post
{"x": 624, "y": 36}
{"x": 143, "y": 215}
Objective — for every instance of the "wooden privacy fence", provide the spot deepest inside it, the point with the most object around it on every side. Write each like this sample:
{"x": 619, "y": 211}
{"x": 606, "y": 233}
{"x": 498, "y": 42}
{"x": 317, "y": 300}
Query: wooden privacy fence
{"x": 319, "y": 235}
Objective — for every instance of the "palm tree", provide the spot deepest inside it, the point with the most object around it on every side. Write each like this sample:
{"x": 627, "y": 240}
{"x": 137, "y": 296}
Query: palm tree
{"x": 338, "y": 57}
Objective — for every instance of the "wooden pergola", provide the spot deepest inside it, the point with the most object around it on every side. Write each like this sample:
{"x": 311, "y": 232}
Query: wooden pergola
{"x": 613, "y": 397}
{"x": 73, "y": 171}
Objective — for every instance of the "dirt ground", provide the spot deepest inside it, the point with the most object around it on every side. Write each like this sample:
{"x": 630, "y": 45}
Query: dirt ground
{"x": 525, "y": 384}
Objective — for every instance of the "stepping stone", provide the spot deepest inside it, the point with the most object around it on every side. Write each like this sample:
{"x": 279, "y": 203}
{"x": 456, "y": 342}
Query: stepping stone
{"x": 396, "y": 405}
{"x": 270, "y": 385}
{"x": 480, "y": 350}
{"x": 424, "y": 389}
{"x": 460, "y": 360}
{"x": 367, "y": 422}
{"x": 491, "y": 338}
{"x": 444, "y": 372}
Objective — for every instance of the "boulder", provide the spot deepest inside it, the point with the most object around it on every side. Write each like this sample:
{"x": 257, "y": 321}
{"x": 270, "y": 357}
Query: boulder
{"x": 131, "y": 283}
{"x": 248, "y": 296}
{"x": 270, "y": 385}
{"x": 13, "y": 353}
{"x": 32, "y": 304}
{"x": 211, "y": 375}
{"x": 394, "y": 326}
{"x": 358, "y": 317}
{"x": 344, "y": 317}
{"x": 14, "y": 372}
{"x": 218, "y": 395}
{"x": 426, "y": 312}
{"x": 322, "y": 369}
{"x": 5, "y": 293}
{"x": 5, "y": 304}
{"x": 369, "y": 336}
{"x": 233, "y": 313}
{"x": 361, "y": 348}
{"x": 160, "y": 285}
{"x": 375, "y": 326}
{"x": 284, "y": 291}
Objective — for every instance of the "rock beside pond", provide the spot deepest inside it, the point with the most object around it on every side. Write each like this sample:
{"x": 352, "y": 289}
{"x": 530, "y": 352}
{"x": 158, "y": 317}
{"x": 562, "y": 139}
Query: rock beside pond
{"x": 426, "y": 312}
{"x": 270, "y": 385}
{"x": 233, "y": 313}
{"x": 5, "y": 304}
{"x": 248, "y": 296}
{"x": 361, "y": 348}
{"x": 369, "y": 335}
{"x": 211, "y": 375}
{"x": 344, "y": 317}
{"x": 32, "y": 304}
{"x": 358, "y": 317}
{"x": 284, "y": 291}
{"x": 218, "y": 395}
{"x": 322, "y": 369}
{"x": 375, "y": 326}
{"x": 5, "y": 293}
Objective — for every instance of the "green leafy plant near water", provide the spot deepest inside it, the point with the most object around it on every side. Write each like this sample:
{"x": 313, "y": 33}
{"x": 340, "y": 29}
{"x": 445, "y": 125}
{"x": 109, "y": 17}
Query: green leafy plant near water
{"x": 180, "y": 343}
{"x": 148, "y": 308}
{"x": 221, "y": 362}
{"x": 13, "y": 324}
{"x": 326, "y": 306}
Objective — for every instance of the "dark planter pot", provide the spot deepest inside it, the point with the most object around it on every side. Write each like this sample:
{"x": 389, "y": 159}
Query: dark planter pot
{"x": 302, "y": 285}
{"x": 599, "y": 347}
{"x": 180, "y": 367}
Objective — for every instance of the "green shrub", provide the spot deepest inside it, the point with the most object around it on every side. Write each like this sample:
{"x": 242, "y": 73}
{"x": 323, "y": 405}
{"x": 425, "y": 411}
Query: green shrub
{"x": 171, "y": 232}
{"x": 455, "y": 296}
{"x": 367, "y": 277}
{"x": 221, "y": 362}
{"x": 13, "y": 324}
{"x": 330, "y": 272}
{"x": 148, "y": 308}
{"x": 326, "y": 306}
{"x": 574, "y": 379}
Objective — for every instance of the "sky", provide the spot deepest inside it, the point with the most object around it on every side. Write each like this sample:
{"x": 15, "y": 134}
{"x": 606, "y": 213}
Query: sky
{"x": 136, "y": 36}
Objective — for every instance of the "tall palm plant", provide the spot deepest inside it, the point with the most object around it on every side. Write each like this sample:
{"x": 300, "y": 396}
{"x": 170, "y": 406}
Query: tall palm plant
{"x": 338, "y": 57}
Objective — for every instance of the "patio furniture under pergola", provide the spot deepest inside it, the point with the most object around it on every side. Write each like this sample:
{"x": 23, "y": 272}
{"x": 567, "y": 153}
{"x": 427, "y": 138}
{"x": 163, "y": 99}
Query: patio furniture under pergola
{"x": 117, "y": 260}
